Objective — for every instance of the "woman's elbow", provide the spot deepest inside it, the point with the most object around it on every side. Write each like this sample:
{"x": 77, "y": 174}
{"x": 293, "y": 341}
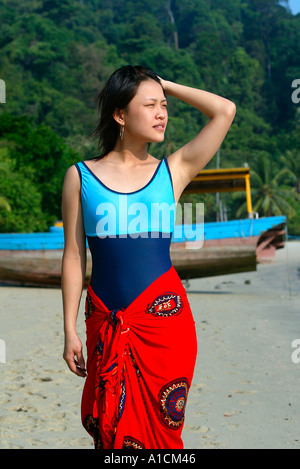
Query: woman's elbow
{"x": 230, "y": 110}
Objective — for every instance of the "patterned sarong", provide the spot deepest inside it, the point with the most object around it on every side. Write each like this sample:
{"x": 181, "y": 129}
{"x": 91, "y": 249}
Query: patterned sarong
{"x": 140, "y": 363}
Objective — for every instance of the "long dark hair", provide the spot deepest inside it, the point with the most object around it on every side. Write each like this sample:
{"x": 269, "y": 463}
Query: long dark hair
{"x": 119, "y": 90}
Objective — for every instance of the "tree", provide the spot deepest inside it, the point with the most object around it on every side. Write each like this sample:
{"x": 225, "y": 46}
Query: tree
{"x": 4, "y": 203}
{"x": 26, "y": 214}
{"x": 291, "y": 161}
{"x": 42, "y": 158}
{"x": 269, "y": 190}
{"x": 245, "y": 80}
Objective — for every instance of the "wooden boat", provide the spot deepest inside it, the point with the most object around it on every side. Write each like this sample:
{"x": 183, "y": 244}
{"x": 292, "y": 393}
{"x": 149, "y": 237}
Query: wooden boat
{"x": 229, "y": 247}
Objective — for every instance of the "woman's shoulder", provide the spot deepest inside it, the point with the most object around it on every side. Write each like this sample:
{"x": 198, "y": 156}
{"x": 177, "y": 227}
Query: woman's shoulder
{"x": 76, "y": 168}
{"x": 72, "y": 174}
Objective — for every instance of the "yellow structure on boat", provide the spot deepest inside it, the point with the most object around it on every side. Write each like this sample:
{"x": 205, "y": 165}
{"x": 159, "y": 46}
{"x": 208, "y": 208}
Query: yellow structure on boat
{"x": 222, "y": 180}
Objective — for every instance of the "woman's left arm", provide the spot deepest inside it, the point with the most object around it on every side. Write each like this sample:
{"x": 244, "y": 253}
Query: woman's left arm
{"x": 186, "y": 162}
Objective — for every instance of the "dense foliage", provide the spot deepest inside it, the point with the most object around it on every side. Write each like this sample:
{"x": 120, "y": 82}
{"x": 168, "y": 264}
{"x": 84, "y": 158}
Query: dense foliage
{"x": 56, "y": 55}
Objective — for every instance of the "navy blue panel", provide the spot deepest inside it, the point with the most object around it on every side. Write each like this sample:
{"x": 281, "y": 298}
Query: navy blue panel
{"x": 124, "y": 267}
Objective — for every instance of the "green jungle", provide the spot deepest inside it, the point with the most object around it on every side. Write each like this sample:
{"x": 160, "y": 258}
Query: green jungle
{"x": 55, "y": 56}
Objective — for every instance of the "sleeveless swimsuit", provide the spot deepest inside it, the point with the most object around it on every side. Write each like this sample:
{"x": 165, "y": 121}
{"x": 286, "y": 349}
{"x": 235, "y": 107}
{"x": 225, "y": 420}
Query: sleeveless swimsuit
{"x": 141, "y": 338}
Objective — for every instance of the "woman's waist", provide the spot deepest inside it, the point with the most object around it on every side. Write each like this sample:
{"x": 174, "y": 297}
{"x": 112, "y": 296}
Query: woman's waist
{"x": 160, "y": 295}
{"x": 128, "y": 264}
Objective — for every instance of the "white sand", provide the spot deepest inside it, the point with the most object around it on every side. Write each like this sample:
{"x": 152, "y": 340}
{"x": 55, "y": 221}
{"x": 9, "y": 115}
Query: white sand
{"x": 245, "y": 388}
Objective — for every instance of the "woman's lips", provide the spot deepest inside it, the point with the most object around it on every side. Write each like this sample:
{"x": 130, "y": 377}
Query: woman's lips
{"x": 159, "y": 127}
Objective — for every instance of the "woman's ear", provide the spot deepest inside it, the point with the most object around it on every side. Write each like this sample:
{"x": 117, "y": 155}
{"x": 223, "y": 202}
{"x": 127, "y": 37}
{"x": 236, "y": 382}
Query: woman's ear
{"x": 118, "y": 115}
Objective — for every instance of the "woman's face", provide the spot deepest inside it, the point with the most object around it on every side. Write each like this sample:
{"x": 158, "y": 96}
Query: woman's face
{"x": 146, "y": 116}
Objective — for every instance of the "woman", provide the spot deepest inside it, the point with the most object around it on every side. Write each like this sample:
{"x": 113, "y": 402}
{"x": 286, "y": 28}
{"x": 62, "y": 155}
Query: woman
{"x": 141, "y": 340}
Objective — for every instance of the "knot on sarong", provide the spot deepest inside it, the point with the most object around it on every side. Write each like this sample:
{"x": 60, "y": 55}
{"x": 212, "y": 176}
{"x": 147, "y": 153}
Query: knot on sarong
{"x": 110, "y": 391}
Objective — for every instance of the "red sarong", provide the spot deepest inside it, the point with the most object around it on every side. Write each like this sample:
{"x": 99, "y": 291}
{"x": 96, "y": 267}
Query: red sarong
{"x": 140, "y": 363}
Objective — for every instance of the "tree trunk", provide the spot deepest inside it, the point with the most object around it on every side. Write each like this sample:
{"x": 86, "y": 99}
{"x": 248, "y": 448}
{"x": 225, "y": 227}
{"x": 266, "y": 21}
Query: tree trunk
{"x": 173, "y": 23}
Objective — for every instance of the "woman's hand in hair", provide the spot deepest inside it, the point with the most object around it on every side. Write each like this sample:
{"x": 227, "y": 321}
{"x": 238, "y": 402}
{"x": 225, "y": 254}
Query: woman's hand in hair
{"x": 163, "y": 83}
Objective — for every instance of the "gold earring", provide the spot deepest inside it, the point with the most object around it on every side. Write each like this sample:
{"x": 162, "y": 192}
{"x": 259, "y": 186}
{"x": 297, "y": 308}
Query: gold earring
{"x": 121, "y": 132}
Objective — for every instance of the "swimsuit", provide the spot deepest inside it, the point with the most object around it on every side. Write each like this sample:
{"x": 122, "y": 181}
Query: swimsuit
{"x": 141, "y": 338}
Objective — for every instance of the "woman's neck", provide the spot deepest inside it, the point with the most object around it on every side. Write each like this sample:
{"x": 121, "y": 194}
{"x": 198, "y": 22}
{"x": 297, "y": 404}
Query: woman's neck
{"x": 129, "y": 154}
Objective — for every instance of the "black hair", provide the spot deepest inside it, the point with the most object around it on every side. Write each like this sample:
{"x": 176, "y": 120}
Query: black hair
{"x": 117, "y": 93}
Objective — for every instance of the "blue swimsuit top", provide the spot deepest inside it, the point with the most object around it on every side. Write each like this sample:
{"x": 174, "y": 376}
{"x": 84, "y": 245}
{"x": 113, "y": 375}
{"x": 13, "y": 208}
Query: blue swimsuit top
{"x": 129, "y": 234}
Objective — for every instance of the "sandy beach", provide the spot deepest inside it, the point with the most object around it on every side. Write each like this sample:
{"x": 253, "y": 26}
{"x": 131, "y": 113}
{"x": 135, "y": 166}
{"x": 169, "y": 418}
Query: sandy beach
{"x": 245, "y": 389}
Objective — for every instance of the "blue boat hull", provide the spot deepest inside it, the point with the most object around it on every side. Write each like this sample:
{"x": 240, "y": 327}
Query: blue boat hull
{"x": 234, "y": 229}
{"x": 223, "y": 248}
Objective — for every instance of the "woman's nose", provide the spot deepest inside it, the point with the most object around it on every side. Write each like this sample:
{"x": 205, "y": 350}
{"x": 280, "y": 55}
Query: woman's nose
{"x": 161, "y": 113}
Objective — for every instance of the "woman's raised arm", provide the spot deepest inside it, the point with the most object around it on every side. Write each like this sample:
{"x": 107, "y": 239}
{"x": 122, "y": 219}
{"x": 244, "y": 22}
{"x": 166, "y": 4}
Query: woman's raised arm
{"x": 73, "y": 269}
{"x": 186, "y": 162}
